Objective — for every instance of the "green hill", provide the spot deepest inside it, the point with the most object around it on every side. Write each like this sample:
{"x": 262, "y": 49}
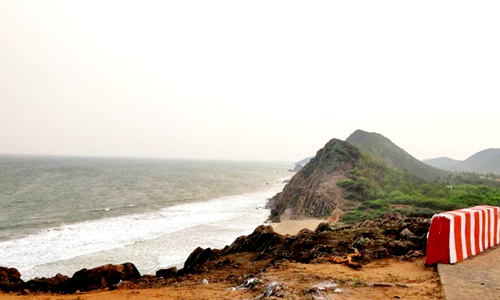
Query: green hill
{"x": 344, "y": 182}
{"x": 381, "y": 147}
{"x": 443, "y": 163}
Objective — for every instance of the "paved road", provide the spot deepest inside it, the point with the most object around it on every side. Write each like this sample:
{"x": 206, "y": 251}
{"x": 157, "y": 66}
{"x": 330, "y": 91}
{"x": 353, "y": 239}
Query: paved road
{"x": 475, "y": 278}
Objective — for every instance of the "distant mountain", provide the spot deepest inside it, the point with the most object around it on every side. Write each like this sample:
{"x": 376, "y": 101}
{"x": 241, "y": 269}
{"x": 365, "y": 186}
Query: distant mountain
{"x": 444, "y": 163}
{"x": 381, "y": 147}
{"x": 300, "y": 164}
{"x": 486, "y": 161}
{"x": 304, "y": 161}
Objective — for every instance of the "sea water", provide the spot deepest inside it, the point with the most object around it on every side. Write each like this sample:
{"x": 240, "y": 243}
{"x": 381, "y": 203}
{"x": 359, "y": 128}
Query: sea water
{"x": 62, "y": 214}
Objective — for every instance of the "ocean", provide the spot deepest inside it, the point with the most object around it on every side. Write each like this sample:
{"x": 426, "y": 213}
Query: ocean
{"x": 62, "y": 214}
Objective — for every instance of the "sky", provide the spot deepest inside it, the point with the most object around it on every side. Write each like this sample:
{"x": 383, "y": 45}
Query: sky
{"x": 247, "y": 80}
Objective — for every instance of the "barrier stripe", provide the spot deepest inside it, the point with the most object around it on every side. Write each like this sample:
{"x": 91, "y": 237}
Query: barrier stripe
{"x": 459, "y": 234}
{"x": 497, "y": 229}
{"x": 472, "y": 228}
{"x": 481, "y": 230}
{"x": 492, "y": 223}
{"x": 467, "y": 232}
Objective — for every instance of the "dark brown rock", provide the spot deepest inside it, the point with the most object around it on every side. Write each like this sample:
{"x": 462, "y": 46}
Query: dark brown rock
{"x": 57, "y": 284}
{"x": 263, "y": 238}
{"x": 381, "y": 252}
{"x": 167, "y": 273}
{"x": 197, "y": 258}
{"x": 10, "y": 279}
{"x": 104, "y": 276}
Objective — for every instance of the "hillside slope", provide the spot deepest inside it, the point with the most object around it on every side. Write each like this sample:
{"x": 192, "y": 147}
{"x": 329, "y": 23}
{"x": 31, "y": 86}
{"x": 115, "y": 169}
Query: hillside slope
{"x": 313, "y": 191}
{"x": 486, "y": 161}
{"x": 339, "y": 178}
{"x": 443, "y": 163}
{"x": 381, "y": 147}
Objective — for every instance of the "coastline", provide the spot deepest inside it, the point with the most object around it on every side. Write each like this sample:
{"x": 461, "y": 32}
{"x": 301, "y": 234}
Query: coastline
{"x": 318, "y": 264}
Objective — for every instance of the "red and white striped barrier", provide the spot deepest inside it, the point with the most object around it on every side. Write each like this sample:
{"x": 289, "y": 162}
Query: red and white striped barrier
{"x": 456, "y": 235}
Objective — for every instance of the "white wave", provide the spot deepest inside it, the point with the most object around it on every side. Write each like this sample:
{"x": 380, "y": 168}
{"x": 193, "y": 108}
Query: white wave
{"x": 74, "y": 240}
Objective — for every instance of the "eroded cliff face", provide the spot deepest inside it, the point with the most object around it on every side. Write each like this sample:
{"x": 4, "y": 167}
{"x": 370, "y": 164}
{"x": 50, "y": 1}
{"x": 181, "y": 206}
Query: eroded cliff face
{"x": 313, "y": 191}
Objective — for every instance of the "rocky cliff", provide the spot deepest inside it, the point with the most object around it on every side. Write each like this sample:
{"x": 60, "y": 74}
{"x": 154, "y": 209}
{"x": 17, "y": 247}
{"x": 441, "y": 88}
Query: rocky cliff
{"x": 313, "y": 191}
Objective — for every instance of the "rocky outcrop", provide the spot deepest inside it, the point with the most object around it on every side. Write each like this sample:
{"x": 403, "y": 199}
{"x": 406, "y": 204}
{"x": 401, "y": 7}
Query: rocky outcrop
{"x": 262, "y": 239}
{"x": 57, "y": 284}
{"x": 388, "y": 236}
{"x": 10, "y": 279}
{"x": 167, "y": 273}
{"x": 313, "y": 191}
{"x": 197, "y": 258}
{"x": 103, "y": 276}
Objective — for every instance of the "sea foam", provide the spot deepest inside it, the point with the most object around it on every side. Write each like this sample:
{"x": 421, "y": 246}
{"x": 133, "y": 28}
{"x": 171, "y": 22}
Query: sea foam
{"x": 150, "y": 240}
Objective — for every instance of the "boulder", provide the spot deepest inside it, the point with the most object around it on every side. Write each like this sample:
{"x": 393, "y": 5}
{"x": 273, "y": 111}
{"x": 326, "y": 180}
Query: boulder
{"x": 56, "y": 284}
{"x": 406, "y": 234}
{"x": 10, "y": 279}
{"x": 104, "y": 276}
{"x": 263, "y": 238}
{"x": 197, "y": 258}
{"x": 167, "y": 273}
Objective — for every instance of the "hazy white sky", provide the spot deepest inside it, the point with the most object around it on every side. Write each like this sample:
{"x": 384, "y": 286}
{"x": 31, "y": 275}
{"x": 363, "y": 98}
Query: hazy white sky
{"x": 266, "y": 80}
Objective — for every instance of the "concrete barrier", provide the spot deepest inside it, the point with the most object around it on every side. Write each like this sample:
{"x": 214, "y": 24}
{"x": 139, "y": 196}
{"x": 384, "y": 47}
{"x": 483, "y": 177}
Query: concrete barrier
{"x": 458, "y": 234}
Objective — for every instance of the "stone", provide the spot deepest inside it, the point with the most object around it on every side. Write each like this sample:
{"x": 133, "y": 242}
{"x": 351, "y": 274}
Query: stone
{"x": 248, "y": 284}
{"x": 57, "y": 284}
{"x": 197, "y": 258}
{"x": 381, "y": 252}
{"x": 10, "y": 279}
{"x": 167, "y": 273}
{"x": 406, "y": 234}
{"x": 104, "y": 276}
{"x": 275, "y": 289}
{"x": 123, "y": 285}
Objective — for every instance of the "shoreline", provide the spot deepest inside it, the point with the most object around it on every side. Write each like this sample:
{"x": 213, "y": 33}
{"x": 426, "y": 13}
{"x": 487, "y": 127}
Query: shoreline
{"x": 294, "y": 266}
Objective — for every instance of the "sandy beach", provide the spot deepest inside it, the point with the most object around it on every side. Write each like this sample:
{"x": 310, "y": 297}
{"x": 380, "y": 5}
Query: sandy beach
{"x": 292, "y": 227}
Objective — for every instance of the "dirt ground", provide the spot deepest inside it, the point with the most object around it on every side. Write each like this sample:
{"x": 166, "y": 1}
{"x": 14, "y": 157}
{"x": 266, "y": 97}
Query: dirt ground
{"x": 388, "y": 278}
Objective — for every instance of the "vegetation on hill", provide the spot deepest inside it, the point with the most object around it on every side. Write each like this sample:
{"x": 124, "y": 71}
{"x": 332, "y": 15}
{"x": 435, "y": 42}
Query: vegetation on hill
{"x": 374, "y": 177}
{"x": 381, "y": 189}
{"x": 382, "y": 148}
